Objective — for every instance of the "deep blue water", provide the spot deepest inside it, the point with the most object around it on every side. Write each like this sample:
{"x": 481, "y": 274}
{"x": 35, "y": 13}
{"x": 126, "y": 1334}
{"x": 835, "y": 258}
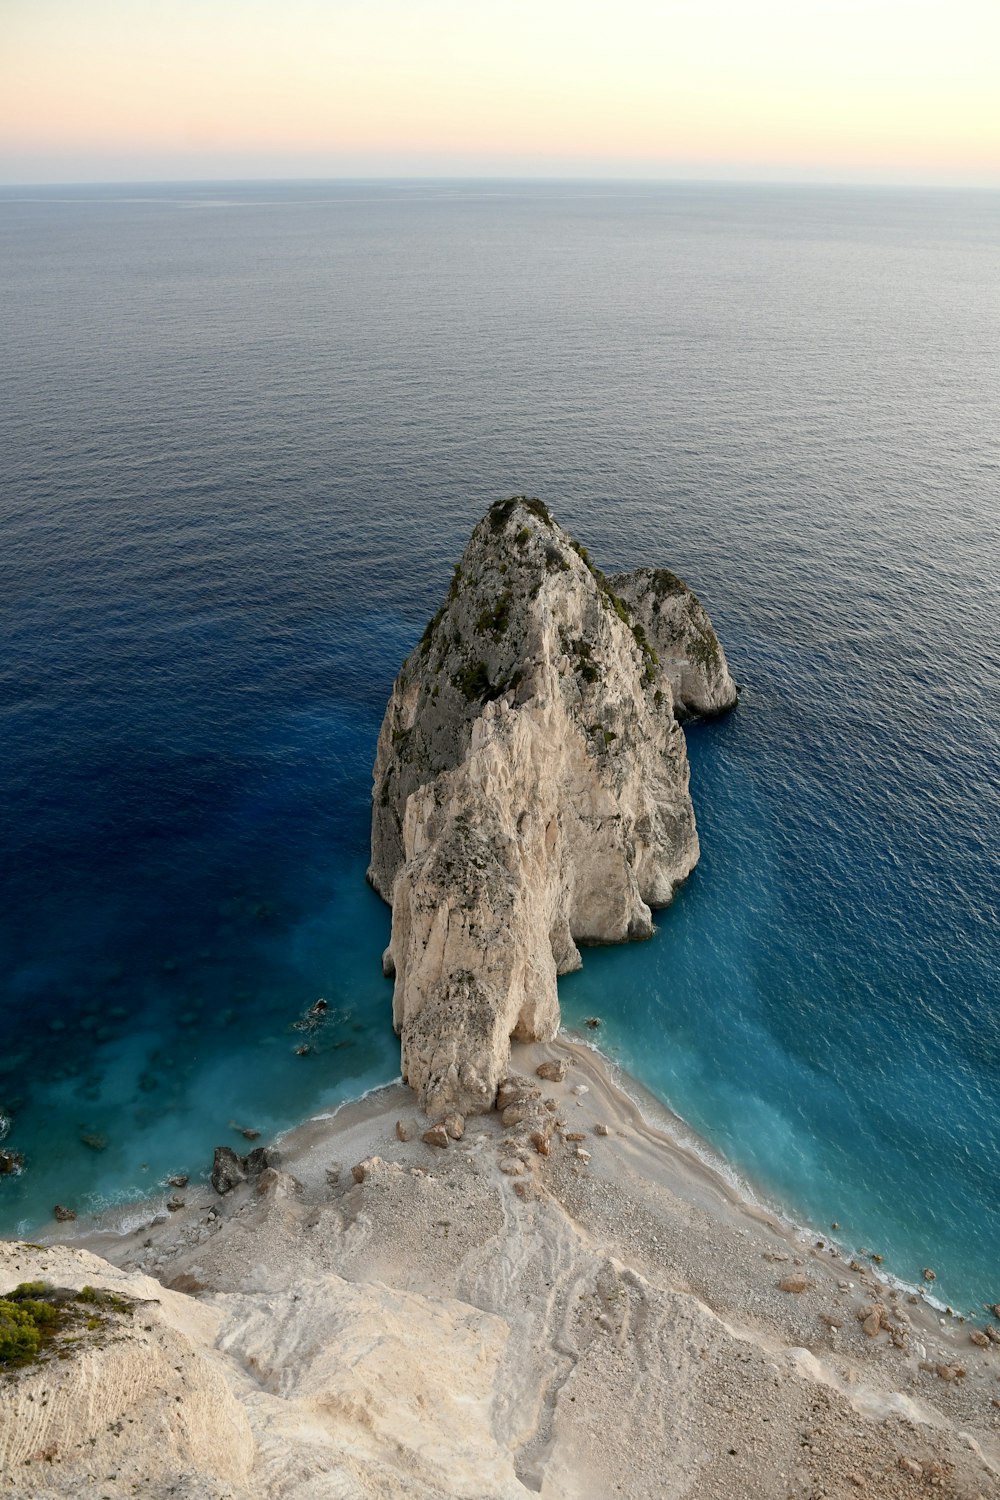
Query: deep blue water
{"x": 245, "y": 432}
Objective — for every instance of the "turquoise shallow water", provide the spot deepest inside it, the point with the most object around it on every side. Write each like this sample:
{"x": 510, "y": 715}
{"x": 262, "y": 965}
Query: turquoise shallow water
{"x": 250, "y": 431}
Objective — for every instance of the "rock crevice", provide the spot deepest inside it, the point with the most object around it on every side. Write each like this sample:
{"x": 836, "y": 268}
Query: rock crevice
{"x": 531, "y": 791}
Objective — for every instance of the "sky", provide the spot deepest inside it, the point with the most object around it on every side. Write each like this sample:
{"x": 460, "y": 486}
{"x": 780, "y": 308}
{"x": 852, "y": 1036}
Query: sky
{"x": 888, "y": 91}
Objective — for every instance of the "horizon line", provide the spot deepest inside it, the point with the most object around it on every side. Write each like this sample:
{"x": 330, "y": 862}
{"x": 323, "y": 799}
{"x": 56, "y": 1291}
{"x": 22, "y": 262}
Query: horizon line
{"x": 509, "y": 177}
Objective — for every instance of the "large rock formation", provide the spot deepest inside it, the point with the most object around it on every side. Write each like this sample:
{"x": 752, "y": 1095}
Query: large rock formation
{"x": 531, "y": 793}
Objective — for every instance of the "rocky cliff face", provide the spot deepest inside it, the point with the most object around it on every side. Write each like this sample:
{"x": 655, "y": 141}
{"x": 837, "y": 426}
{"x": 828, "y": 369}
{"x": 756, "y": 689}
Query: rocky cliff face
{"x": 531, "y": 793}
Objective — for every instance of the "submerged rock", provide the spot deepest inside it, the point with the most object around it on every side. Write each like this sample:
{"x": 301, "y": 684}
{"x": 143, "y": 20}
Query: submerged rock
{"x": 531, "y": 795}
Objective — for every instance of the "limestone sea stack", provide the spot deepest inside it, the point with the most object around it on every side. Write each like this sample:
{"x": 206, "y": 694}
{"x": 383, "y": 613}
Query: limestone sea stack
{"x": 531, "y": 790}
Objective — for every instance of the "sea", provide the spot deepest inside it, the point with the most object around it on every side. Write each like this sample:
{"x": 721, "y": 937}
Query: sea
{"x": 246, "y": 430}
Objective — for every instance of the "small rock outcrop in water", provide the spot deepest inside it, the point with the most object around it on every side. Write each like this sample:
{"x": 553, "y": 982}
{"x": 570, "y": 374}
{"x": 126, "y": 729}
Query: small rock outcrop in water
{"x": 677, "y": 625}
{"x": 531, "y": 792}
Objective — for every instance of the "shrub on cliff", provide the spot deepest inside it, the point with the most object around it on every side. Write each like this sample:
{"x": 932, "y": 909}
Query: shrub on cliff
{"x": 23, "y": 1322}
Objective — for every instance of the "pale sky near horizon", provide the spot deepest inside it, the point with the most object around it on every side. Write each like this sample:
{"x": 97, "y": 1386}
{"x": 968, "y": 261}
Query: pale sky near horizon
{"x": 895, "y": 91}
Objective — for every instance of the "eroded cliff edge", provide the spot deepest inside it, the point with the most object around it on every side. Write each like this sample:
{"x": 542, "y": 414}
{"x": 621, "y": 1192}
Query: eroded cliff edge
{"x": 531, "y": 790}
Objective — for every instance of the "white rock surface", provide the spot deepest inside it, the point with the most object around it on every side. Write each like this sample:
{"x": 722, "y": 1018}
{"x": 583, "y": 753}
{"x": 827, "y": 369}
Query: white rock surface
{"x": 492, "y": 1324}
{"x": 531, "y": 794}
{"x": 144, "y": 1403}
{"x": 326, "y": 1391}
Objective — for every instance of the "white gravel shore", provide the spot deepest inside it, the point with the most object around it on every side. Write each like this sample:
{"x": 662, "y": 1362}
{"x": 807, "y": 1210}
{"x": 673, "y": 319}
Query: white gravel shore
{"x": 605, "y": 1317}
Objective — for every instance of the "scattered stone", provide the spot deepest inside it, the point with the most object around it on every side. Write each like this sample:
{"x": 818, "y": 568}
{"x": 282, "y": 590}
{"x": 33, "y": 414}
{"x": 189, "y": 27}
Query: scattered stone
{"x": 511, "y": 1167}
{"x": 260, "y": 1158}
{"x": 281, "y": 1184}
{"x": 333, "y": 1175}
{"x": 593, "y": 1022}
{"x": 526, "y": 1189}
{"x": 11, "y": 1162}
{"x": 911, "y": 1467}
{"x": 579, "y": 1090}
{"x": 857, "y": 1480}
{"x": 454, "y": 1124}
{"x": 363, "y": 1169}
{"x": 583, "y": 1155}
{"x": 872, "y": 1317}
{"x": 62, "y": 1214}
{"x": 250, "y": 1135}
{"x": 574, "y": 1135}
{"x": 552, "y": 1105}
{"x": 94, "y": 1141}
{"x": 303, "y": 1049}
{"x": 519, "y": 1111}
{"x": 174, "y": 1204}
{"x": 405, "y": 1130}
{"x": 928, "y": 1274}
{"x": 554, "y": 1070}
{"x": 995, "y": 1309}
{"x": 540, "y": 1141}
{"x": 513, "y": 1088}
{"x": 602, "y": 1129}
{"x": 228, "y": 1169}
{"x": 949, "y": 1372}
{"x": 993, "y": 1333}
{"x": 793, "y": 1283}
{"x": 179, "y": 1181}
{"x": 436, "y": 1136}
{"x": 835, "y": 1225}
{"x": 979, "y": 1338}
{"x": 185, "y": 1282}
{"x": 831, "y": 1321}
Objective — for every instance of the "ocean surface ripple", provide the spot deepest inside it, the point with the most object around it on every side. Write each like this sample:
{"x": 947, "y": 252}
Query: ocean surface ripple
{"x": 248, "y": 431}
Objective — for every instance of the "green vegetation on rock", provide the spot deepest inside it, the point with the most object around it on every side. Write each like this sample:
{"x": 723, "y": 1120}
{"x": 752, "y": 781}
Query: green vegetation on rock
{"x": 501, "y": 511}
{"x": 473, "y": 681}
{"x": 497, "y": 619}
{"x": 664, "y": 583}
{"x": 34, "y": 1314}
